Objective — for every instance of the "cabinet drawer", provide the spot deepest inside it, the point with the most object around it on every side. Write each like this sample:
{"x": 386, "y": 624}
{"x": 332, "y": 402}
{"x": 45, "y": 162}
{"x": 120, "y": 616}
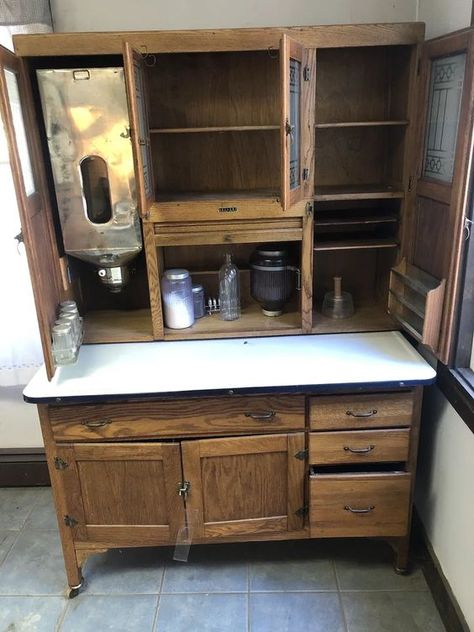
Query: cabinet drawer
{"x": 359, "y": 504}
{"x": 346, "y": 412}
{"x": 364, "y": 446}
{"x": 177, "y": 418}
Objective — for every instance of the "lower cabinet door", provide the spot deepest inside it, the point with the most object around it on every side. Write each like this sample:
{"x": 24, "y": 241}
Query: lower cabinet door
{"x": 359, "y": 504}
{"x": 244, "y": 485}
{"x": 123, "y": 494}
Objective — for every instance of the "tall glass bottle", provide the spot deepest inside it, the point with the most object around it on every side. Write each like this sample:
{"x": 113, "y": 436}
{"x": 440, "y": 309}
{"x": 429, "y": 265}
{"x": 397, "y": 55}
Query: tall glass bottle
{"x": 229, "y": 290}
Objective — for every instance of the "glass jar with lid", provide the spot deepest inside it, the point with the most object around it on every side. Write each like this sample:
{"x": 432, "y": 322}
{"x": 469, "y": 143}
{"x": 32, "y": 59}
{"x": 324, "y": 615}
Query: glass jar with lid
{"x": 176, "y": 290}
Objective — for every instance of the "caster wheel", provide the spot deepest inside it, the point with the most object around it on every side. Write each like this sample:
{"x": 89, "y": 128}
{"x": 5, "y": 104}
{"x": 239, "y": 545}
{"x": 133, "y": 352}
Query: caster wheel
{"x": 74, "y": 591}
{"x": 401, "y": 571}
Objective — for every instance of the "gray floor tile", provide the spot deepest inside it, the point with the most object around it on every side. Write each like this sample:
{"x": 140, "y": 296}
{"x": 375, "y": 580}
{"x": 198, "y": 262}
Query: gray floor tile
{"x": 203, "y": 613}
{"x": 132, "y": 571}
{"x": 34, "y": 565}
{"x": 368, "y": 565}
{"x": 38, "y": 614}
{"x": 292, "y": 575}
{"x": 43, "y": 514}
{"x": 7, "y": 538}
{"x": 288, "y": 612}
{"x": 391, "y": 612}
{"x": 127, "y": 613}
{"x": 205, "y": 576}
{"x": 15, "y": 505}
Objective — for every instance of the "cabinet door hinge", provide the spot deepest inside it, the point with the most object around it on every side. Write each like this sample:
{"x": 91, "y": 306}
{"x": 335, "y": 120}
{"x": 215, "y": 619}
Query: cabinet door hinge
{"x": 305, "y": 174}
{"x": 302, "y": 511}
{"x": 301, "y": 455}
{"x": 183, "y": 488}
{"x": 306, "y": 73}
{"x": 309, "y": 209}
{"x": 467, "y": 227}
{"x": 411, "y": 180}
{"x": 69, "y": 521}
{"x": 59, "y": 464}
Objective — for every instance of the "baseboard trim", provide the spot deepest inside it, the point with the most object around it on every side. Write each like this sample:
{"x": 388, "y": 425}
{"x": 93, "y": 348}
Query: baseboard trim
{"x": 23, "y": 467}
{"x": 448, "y": 607}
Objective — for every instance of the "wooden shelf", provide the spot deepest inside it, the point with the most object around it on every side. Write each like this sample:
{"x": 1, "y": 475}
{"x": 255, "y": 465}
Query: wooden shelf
{"x": 363, "y": 220}
{"x": 193, "y": 196}
{"x": 355, "y": 244}
{"x": 118, "y": 326}
{"x": 251, "y": 323}
{"x": 343, "y": 124}
{"x": 357, "y": 192}
{"x": 202, "y": 130}
{"x": 368, "y": 316}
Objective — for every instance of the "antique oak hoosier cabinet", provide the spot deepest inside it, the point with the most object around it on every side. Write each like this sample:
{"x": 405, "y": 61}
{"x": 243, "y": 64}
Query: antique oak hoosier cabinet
{"x": 330, "y": 163}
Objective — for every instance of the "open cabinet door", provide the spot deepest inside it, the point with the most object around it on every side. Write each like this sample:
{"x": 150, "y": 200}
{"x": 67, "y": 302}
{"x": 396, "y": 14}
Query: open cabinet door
{"x": 138, "y": 111}
{"x": 295, "y": 125}
{"x": 425, "y": 288}
{"x": 31, "y": 192}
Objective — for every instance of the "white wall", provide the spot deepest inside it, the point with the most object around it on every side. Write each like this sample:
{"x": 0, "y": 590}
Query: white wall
{"x": 443, "y": 16}
{"x": 19, "y": 423}
{"x": 123, "y": 15}
{"x": 444, "y": 496}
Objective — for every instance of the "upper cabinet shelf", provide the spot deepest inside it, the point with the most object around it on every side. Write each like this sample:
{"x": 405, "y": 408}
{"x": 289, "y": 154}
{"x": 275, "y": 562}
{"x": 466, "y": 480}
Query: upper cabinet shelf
{"x": 202, "y": 130}
{"x": 362, "y": 124}
{"x": 329, "y": 193}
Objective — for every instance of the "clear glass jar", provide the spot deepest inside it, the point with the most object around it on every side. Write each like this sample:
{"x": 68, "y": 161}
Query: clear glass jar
{"x": 64, "y": 347}
{"x": 198, "y": 300}
{"x": 229, "y": 290}
{"x": 176, "y": 291}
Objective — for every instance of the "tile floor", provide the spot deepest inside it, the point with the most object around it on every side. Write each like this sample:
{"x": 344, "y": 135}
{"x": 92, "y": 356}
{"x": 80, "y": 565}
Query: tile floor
{"x": 312, "y": 586}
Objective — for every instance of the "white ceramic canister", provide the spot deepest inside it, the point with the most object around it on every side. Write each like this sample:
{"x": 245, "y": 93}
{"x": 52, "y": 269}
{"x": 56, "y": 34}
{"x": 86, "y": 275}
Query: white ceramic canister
{"x": 176, "y": 291}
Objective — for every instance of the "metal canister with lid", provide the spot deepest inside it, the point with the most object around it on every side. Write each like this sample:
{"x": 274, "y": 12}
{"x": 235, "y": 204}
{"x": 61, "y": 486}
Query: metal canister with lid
{"x": 176, "y": 290}
{"x": 198, "y": 301}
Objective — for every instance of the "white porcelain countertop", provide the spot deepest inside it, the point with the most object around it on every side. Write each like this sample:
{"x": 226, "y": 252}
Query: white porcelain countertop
{"x": 240, "y": 365}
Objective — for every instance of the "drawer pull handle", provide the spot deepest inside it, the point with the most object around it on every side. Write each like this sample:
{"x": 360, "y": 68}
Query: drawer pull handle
{"x": 366, "y": 450}
{"x": 96, "y": 424}
{"x": 369, "y": 413}
{"x": 359, "y": 511}
{"x": 264, "y": 416}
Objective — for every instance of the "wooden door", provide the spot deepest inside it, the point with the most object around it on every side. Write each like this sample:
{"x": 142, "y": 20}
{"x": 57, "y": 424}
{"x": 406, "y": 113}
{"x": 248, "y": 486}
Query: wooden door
{"x": 135, "y": 80}
{"x": 445, "y": 139}
{"x": 16, "y": 112}
{"x": 244, "y": 486}
{"x": 123, "y": 493}
{"x": 297, "y": 112}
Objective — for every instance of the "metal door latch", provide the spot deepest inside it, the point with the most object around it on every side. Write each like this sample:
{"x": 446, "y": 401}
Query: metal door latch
{"x": 183, "y": 488}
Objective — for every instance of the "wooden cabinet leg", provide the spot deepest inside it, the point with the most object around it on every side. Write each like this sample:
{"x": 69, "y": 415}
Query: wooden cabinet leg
{"x": 401, "y": 547}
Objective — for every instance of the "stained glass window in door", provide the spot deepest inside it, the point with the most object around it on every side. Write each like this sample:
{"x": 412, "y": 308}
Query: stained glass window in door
{"x": 444, "y": 106}
{"x": 294, "y": 130}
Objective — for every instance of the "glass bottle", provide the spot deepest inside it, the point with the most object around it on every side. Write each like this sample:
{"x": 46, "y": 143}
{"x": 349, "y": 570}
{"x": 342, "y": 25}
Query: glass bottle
{"x": 229, "y": 290}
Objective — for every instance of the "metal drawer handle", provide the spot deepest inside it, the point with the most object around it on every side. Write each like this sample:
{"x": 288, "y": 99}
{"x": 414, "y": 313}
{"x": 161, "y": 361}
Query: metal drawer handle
{"x": 264, "y": 416}
{"x": 96, "y": 424}
{"x": 359, "y": 511}
{"x": 369, "y": 448}
{"x": 369, "y": 413}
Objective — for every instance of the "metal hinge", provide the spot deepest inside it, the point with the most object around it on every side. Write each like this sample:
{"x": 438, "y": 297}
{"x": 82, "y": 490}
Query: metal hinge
{"x": 69, "y": 521}
{"x": 411, "y": 179}
{"x": 467, "y": 227}
{"x": 302, "y": 511}
{"x": 306, "y": 73}
{"x": 183, "y": 488}
{"x": 309, "y": 209}
{"x": 59, "y": 464}
{"x": 301, "y": 455}
{"x": 305, "y": 173}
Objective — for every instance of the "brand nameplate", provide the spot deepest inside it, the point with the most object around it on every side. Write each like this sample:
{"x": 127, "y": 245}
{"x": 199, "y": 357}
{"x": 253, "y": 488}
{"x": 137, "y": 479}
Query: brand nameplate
{"x": 227, "y": 209}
